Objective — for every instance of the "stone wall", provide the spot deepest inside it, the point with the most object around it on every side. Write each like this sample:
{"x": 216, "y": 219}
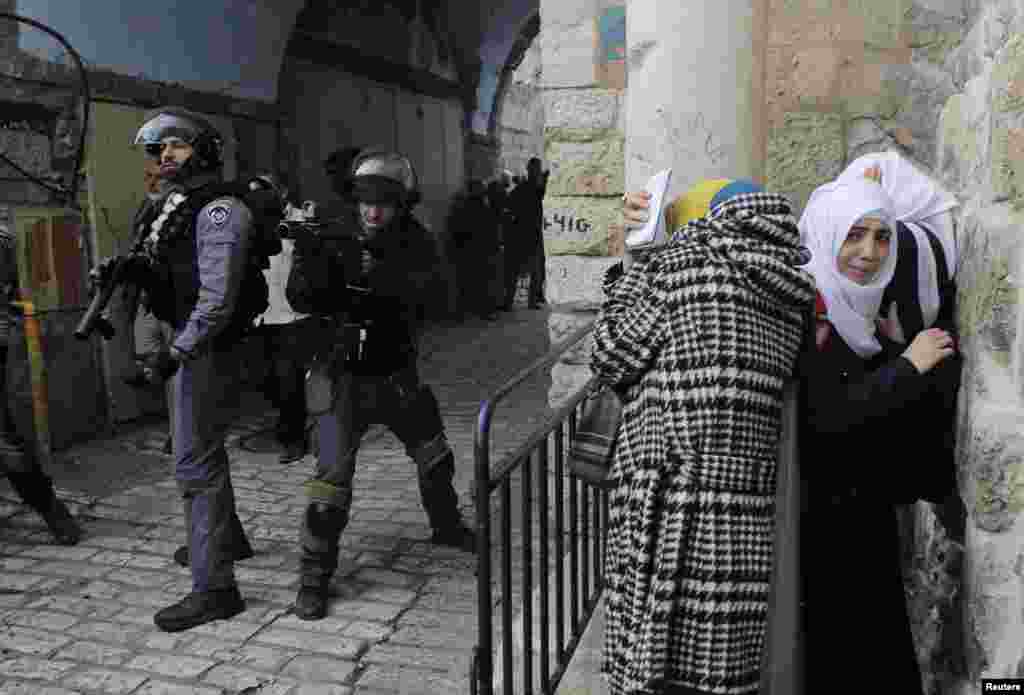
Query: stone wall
{"x": 582, "y": 88}
{"x": 584, "y": 137}
{"x": 521, "y": 127}
{"x": 978, "y": 153}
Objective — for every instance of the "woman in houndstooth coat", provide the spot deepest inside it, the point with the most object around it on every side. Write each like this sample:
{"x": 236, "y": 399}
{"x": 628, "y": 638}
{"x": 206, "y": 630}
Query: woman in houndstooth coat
{"x": 699, "y": 338}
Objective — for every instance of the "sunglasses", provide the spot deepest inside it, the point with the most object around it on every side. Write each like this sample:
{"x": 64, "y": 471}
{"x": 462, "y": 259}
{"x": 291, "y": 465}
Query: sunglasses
{"x": 155, "y": 149}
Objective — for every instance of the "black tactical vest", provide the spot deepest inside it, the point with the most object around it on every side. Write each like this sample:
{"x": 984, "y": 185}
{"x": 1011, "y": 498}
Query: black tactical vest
{"x": 173, "y": 289}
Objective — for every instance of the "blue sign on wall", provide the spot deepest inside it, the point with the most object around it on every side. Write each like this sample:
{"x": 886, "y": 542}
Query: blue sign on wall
{"x": 612, "y": 34}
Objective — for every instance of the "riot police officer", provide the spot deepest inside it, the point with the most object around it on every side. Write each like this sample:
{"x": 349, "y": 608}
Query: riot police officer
{"x": 195, "y": 272}
{"x": 377, "y": 286}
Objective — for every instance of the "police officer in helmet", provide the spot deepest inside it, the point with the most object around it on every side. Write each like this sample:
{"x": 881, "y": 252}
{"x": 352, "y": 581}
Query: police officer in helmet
{"x": 197, "y": 279}
{"x": 379, "y": 381}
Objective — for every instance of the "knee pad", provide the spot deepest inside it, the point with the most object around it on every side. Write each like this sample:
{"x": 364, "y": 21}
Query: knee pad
{"x": 321, "y": 492}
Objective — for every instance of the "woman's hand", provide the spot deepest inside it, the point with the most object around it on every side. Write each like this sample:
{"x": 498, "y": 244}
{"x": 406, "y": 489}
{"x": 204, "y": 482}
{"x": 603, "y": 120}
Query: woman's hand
{"x": 929, "y": 348}
{"x": 635, "y": 209}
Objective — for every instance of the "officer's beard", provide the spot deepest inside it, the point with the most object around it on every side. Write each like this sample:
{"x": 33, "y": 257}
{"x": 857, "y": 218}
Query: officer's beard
{"x": 162, "y": 187}
{"x": 182, "y": 174}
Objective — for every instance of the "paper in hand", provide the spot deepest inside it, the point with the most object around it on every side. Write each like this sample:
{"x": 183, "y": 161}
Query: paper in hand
{"x": 653, "y": 233}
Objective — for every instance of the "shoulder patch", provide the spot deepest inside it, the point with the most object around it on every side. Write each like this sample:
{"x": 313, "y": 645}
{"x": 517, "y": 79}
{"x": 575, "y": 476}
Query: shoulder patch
{"x": 219, "y": 211}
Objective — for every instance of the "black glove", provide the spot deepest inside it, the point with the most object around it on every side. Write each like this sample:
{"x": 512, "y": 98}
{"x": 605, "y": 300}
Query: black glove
{"x": 101, "y": 274}
{"x": 307, "y": 245}
{"x": 162, "y": 364}
{"x": 134, "y": 270}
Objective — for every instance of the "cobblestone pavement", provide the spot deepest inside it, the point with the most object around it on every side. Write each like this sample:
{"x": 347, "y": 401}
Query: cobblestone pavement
{"x": 79, "y": 620}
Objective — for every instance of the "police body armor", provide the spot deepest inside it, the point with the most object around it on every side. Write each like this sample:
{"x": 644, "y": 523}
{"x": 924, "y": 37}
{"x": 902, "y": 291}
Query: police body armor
{"x": 173, "y": 288}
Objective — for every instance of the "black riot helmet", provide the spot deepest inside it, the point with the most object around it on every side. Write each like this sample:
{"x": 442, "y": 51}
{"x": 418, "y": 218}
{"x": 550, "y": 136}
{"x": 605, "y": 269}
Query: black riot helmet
{"x": 188, "y": 126}
{"x": 381, "y": 176}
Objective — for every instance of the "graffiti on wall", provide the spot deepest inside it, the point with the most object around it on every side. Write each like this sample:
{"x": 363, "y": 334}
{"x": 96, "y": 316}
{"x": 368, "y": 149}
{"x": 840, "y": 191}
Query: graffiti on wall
{"x": 610, "y": 63}
{"x": 567, "y": 224}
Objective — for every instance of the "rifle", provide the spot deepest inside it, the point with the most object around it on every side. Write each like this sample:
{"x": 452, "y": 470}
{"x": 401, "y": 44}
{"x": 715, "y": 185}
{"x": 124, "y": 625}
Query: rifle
{"x": 304, "y": 226}
{"x": 124, "y": 270}
{"x": 118, "y": 271}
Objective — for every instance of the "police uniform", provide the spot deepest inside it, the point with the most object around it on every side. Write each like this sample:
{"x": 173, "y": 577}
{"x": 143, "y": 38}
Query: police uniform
{"x": 376, "y": 381}
{"x": 198, "y": 245}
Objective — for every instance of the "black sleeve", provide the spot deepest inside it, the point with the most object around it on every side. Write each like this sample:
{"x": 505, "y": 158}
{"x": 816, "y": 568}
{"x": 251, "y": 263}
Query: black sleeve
{"x": 402, "y": 282}
{"x": 933, "y": 473}
{"x": 319, "y": 273}
{"x": 837, "y": 406}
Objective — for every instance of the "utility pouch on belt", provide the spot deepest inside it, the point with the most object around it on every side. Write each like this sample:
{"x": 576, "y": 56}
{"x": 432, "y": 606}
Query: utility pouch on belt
{"x": 347, "y": 348}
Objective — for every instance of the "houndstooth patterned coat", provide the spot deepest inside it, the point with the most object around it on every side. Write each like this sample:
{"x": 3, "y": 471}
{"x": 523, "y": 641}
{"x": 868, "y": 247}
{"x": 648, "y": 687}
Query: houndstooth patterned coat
{"x": 701, "y": 337}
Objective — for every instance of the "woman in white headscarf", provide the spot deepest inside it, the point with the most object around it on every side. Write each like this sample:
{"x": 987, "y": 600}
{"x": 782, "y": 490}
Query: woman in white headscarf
{"x": 922, "y": 291}
{"x": 862, "y": 392}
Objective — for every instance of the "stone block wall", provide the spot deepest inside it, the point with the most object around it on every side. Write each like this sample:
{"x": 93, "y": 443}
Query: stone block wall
{"x": 978, "y": 153}
{"x": 521, "y": 130}
{"x": 839, "y": 83}
{"x": 582, "y": 88}
{"x": 584, "y": 134}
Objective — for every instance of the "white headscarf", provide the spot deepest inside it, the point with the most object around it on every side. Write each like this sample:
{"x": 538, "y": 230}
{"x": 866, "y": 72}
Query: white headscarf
{"x": 830, "y": 212}
{"x": 915, "y": 198}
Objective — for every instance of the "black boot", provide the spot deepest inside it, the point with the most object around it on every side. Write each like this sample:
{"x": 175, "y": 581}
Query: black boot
{"x": 442, "y": 507}
{"x": 323, "y": 527}
{"x": 200, "y": 607}
{"x": 456, "y": 536}
{"x": 239, "y": 546}
{"x": 36, "y": 489}
{"x": 311, "y": 601}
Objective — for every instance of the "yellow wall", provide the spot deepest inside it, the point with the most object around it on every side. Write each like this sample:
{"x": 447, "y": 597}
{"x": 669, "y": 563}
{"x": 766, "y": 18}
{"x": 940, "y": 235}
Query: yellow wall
{"x": 115, "y": 175}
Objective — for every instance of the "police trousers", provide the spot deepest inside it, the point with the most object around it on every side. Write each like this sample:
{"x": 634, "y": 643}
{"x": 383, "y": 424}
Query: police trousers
{"x": 205, "y": 393}
{"x": 406, "y": 407}
{"x": 288, "y": 350}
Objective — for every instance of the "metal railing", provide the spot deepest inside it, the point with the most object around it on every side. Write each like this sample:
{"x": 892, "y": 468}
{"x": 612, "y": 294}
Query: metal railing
{"x": 783, "y": 656}
{"x": 578, "y": 540}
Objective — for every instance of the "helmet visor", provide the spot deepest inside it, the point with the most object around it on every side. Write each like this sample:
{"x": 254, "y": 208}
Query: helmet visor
{"x": 164, "y": 126}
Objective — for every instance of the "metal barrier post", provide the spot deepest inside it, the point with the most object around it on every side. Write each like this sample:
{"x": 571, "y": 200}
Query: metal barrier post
{"x": 483, "y": 670}
{"x": 485, "y": 483}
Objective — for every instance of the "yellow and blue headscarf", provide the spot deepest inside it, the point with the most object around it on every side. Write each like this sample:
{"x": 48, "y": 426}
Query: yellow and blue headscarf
{"x": 700, "y": 200}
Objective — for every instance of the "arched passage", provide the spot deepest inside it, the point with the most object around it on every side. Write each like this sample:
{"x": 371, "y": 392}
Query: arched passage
{"x": 517, "y": 117}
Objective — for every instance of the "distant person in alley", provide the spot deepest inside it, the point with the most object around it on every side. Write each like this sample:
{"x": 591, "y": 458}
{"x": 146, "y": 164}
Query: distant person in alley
{"x": 524, "y": 245}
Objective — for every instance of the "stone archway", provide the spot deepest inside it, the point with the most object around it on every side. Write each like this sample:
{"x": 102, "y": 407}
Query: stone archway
{"x": 517, "y": 118}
